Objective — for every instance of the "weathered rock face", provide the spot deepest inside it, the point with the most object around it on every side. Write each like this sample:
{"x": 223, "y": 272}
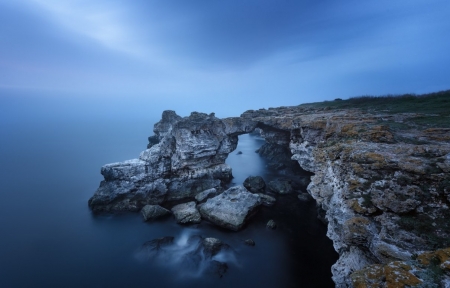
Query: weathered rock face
{"x": 186, "y": 213}
{"x": 384, "y": 188}
{"x": 231, "y": 209}
{"x": 153, "y": 211}
{"x": 255, "y": 184}
{"x": 189, "y": 158}
{"x": 280, "y": 186}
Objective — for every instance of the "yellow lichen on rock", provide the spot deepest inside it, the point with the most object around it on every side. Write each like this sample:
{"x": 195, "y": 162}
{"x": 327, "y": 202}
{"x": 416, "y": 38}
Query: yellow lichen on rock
{"x": 398, "y": 275}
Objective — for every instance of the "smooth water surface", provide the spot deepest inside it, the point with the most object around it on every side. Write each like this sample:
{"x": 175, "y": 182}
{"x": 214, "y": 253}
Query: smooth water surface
{"x": 50, "y": 166}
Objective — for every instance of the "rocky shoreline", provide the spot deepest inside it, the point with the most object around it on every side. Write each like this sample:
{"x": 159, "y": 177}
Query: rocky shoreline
{"x": 384, "y": 190}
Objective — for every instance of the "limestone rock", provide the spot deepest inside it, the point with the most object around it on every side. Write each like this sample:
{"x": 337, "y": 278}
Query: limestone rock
{"x": 380, "y": 179}
{"x": 304, "y": 197}
{"x": 195, "y": 255}
{"x": 164, "y": 126}
{"x": 200, "y": 141}
{"x": 249, "y": 242}
{"x": 212, "y": 246}
{"x": 153, "y": 211}
{"x": 231, "y": 209}
{"x": 267, "y": 200}
{"x": 209, "y": 193}
{"x": 186, "y": 213}
{"x": 271, "y": 224}
{"x": 255, "y": 184}
{"x": 280, "y": 186}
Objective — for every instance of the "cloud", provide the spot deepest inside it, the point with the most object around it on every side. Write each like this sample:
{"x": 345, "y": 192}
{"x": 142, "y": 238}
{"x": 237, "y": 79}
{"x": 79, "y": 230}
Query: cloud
{"x": 102, "y": 22}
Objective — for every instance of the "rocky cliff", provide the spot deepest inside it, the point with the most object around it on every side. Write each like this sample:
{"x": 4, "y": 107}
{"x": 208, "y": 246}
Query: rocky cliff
{"x": 382, "y": 178}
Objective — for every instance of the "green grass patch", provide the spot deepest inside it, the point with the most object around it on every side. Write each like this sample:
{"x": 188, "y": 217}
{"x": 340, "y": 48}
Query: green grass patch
{"x": 434, "y": 107}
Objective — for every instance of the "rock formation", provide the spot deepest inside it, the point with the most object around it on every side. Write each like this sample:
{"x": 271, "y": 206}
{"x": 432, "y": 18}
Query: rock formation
{"x": 230, "y": 209}
{"x": 383, "y": 184}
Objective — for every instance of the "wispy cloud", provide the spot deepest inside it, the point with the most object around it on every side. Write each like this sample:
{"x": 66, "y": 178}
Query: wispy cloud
{"x": 102, "y": 22}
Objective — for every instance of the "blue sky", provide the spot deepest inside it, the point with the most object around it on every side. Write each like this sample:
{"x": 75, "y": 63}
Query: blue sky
{"x": 250, "y": 54}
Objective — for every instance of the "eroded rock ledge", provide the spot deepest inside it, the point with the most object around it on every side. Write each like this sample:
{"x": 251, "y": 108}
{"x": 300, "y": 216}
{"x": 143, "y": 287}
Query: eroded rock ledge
{"x": 385, "y": 190}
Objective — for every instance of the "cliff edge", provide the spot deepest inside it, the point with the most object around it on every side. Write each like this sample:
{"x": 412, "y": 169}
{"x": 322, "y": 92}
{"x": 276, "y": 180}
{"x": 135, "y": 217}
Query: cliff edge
{"x": 381, "y": 174}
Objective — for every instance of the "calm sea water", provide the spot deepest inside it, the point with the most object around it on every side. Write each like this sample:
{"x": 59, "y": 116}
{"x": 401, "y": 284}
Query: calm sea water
{"x": 50, "y": 165}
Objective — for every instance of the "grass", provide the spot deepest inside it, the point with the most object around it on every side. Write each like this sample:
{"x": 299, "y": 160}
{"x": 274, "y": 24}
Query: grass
{"x": 434, "y": 107}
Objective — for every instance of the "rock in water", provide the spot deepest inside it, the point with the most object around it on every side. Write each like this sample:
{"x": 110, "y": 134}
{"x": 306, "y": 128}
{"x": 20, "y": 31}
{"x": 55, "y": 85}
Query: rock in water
{"x": 280, "y": 186}
{"x": 304, "y": 197}
{"x": 249, "y": 242}
{"x": 267, "y": 200}
{"x": 255, "y": 184}
{"x": 212, "y": 246}
{"x": 194, "y": 257}
{"x": 157, "y": 244}
{"x": 271, "y": 224}
{"x": 231, "y": 209}
{"x": 153, "y": 212}
{"x": 209, "y": 193}
{"x": 186, "y": 213}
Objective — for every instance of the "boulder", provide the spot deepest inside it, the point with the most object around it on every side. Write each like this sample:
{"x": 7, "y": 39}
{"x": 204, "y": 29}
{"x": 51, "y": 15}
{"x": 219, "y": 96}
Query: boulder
{"x": 209, "y": 193}
{"x": 271, "y": 224}
{"x": 249, "y": 242}
{"x": 267, "y": 200}
{"x": 153, "y": 211}
{"x": 304, "y": 197}
{"x": 157, "y": 244}
{"x": 186, "y": 213}
{"x": 212, "y": 246}
{"x": 255, "y": 184}
{"x": 231, "y": 209}
{"x": 280, "y": 186}
{"x": 192, "y": 257}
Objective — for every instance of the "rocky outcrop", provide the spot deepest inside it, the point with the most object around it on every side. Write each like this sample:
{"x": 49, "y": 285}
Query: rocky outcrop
{"x": 255, "y": 184}
{"x": 189, "y": 158}
{"x": 186, "y": 213}
{"x": 280, "y": 186}
{"x": 209, "y": 193}
{"x": 231, "y": 209}
{"x": 384, "y": 190}
{"x": 153, "y": 211}
{"x": 429, "y": 269}
{"x": 381, "y": 179}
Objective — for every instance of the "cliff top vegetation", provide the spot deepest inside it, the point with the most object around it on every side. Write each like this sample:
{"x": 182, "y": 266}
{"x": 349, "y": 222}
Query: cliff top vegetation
{"x": 433, "y": 109}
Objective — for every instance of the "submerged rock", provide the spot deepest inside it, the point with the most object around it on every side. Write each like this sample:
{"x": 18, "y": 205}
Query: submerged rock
{"x": 280, "y": 186}
{"x": 267, "y": 200}
{"x": 271, "y": 224}
{"x": 192, "y": 257}
{"x": 158, "y": 243}
{"x": 249, "y": 242}
{"x": 231, "y": 209}
{"x": 255, "y": 184}
{"x": 212, "y": 246}
{"x": 304, "y": 197}
{"x": 186, "y": 213}
{"x": 153, "y": 211}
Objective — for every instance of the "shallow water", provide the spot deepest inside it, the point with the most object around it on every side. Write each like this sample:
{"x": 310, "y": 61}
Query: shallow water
{"x": 50, "y": 167}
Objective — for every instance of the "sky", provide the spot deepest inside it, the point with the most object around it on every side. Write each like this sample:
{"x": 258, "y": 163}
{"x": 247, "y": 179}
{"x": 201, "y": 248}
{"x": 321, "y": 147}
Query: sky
{"x": 224, "y": 55}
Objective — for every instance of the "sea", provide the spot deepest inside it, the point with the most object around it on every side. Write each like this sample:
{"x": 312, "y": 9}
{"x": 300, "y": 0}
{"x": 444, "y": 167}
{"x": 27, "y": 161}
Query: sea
{"x": 51, "y": 152}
